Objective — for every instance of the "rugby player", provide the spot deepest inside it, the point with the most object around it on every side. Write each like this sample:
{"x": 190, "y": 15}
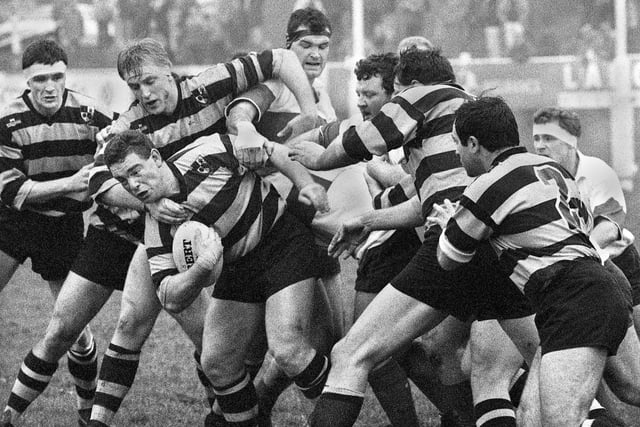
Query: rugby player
{"x": 270, "y": 259}
{"x": 529, "y": 209}
{"x": 174, "y": 111}
{"x": 419, "y": 118}
{"x": 47, "y": 143}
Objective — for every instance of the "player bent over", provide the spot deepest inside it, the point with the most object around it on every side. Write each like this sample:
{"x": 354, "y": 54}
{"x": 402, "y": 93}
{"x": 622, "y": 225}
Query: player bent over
{"x": 529, "y": 209}
{"x": 47, "y": 143}
{"x": 269, "y": 257}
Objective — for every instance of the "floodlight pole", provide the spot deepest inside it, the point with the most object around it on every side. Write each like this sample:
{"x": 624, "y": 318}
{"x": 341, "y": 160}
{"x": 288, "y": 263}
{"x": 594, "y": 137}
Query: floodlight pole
{"x": 622, "y": 115}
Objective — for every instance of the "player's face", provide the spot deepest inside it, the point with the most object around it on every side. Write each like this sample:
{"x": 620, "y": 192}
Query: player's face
{"x": 154, "y": 88}
{"x": 550, "y": 146}
{"x": 47, "y": 91}
{"x": 140, "y": 177}
{"x": 371, "y": 96}
{"x": 469, "y": 161}
{"x": 312, "y": 51}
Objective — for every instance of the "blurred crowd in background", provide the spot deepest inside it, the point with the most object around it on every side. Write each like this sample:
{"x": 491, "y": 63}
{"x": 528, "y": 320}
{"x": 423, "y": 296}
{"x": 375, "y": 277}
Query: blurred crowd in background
{"x": 208, "y": 31}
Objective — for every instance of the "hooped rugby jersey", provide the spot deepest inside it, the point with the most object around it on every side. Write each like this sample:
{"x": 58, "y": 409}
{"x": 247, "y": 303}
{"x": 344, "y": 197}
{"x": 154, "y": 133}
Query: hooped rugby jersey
{"x": 420, "y": 120}
{"x": 219, "y": 192}
{"x": 200, "y": 112}
{"x": 36, "y": 148}
{"x": 600, "y": 186}
{"x": 530, "y": 210}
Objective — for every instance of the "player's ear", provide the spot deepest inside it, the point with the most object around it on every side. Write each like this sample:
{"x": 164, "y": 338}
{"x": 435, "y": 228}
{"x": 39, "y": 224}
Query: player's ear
{"x": 157, "y": 158}
{"x": 473, "y": 143}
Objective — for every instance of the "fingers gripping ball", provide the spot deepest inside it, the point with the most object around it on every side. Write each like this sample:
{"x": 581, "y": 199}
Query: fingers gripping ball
{"x": 194, "y": 240}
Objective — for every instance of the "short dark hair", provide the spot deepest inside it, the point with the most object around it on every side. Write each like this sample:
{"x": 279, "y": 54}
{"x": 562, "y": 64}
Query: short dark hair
{"x": 124, "y": 143}
{"x": 134, "y": 56}
{"x": 312, "y": 18}
{"x": 44, "y": 51}
{"x": 490, "y": 120}
{"x": 567, "y": 120}
{"x": 425, "y": 66}
{"x": 381, "y": 65}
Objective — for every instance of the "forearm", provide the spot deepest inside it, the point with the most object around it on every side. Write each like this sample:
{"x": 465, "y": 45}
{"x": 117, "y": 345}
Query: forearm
{"x": 47, "y": 190}
{"x": 405, "y": 215}
{"x": 385, "y": 173}
{"x": 177, "y": 292}
{"x": 242, "y": 111}
{"x": 294, "y": 77}
{"x": 118, "y": 197}
{"x": 312, "y": 135}
{"x": 297, "y": 173}
{"x": 333, "y": 157}
{"x": 604, "y": 233}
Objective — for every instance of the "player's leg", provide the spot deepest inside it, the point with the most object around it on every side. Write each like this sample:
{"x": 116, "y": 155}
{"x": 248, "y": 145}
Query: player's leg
{"x": 8, "y": 266}
{"x": 138, "y": 312}
{"x": 622, "y": 372}
{"x": 391, "y": 321}
{"x": 229, "y": 329}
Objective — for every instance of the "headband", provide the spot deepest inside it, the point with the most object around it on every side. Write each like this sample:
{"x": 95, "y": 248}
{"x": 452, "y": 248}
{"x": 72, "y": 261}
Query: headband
{"x": 298, "y": 34}
{"x": 554, "y": 129}
{"x": 38, "y": 69}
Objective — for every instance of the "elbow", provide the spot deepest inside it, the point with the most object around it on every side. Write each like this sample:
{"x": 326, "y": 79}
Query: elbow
{"x": 173, "y": 307}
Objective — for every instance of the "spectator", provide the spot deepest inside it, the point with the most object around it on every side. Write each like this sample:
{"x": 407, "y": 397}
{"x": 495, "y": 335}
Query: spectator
{"x": 512, "y": 15}
{"x": 103, "y": 13}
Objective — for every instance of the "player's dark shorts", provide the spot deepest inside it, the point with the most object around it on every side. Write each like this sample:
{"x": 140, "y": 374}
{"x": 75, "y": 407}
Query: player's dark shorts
{"x": 629, "y": 262}
{"x": 382, "y": 263}
{"x": 287, "y": 255}
{"x": 104, "y": 258}
{"x": 478, "y": 290}
{"x": 52, "y": 243}
{"x": 582, "y": 306}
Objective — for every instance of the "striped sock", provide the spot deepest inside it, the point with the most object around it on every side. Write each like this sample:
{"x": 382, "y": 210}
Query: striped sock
{"x": 33, "y": 378}
{"x": 517, "y": 386}
{"x": 83, "y": 367}
{"x": 495, "y": 413}
{"x": 117, "y": 373}
{"x": 239, "y": 402}
{"x": 311, "y": 380}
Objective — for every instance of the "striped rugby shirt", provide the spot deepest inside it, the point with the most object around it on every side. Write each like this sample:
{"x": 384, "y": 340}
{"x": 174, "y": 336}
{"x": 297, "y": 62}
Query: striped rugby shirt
{"x": 38, "y": 148}
{"x": 419, "y": 119}
{"x": 530, "y": 210}
{"x": 199, "y": 112}
{"x": 219, "y": 192}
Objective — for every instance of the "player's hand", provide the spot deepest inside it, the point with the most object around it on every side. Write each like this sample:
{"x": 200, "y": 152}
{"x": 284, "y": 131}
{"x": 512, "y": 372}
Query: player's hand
{"x": 79, "y": 181}
{"x": 249, "y": 146}
{"x": 349, "y": 237}
{"x": 167, "y": 211}
{"x": 443, "y": 214}
{"x": 315, "y": 195}
{"x": 209, "y": 247}
{"x": 306, "y": 153}
{"x": 299, "y": 124}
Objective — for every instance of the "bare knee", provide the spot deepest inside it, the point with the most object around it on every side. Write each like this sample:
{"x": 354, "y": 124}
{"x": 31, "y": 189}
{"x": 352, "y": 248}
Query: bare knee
{"x": 221, "y": 366}
{"x": 59, "y": 337}
{"x": 291, "y": 350}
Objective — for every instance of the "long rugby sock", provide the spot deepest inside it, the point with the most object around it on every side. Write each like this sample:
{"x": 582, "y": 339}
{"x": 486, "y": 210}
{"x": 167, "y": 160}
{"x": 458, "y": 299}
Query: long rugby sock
{"x": 83, "y": 367}
{"x": 311, "y": 380}
{"x": 33, "y": 378}
{"x": 391, "y": 387}
{"x": 495, "y": 413}
{"x": 239, "y": 402}
{"x": 118, "y": 370}
{"x": 336, "y": 408}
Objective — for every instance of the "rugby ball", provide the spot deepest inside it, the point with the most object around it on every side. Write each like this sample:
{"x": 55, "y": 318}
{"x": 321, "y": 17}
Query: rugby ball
{"x": 185, "y": 250}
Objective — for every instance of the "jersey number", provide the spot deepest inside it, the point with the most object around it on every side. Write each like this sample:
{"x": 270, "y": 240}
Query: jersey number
{"x": 572, "y": 211}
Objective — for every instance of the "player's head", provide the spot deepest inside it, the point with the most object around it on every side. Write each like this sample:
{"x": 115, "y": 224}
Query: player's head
{"x": 137, "y": 165}
{"x": 146, "y": 67}
{"x": 555, "y": 134}
{"x": 425, "y": 67}
{"x": 419, "y": 42}
{"x": 308, "y": 36}
{"x": 374, "y": 87}
{"x": 483, "y": 127}
{"x": 44, "y": 65}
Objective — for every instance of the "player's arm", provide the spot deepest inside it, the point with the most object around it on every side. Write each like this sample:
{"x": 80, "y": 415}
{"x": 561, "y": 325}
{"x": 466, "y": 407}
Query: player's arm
{"x": 355, "y": 231}
{"x": 178, "y": 291}
{"x": 387, "y": 174}
{"x": 307, "y": 153}
{"x": 605, "y": 232}
{"x": 310, "y": 192}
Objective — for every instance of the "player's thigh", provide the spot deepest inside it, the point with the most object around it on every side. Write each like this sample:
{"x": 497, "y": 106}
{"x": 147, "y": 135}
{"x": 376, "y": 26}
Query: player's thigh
{"x": 528, "y": 413}
{"x": 229, "y": 328}
{"x": 622, "y": 371}
{"x": 288, "y": 313}
{"x": 139, "y": 305}
{"x": 8, "y": 266}
{"x": 523, "y": 334}
{"x": 361, "y": 301}
{"x": 568, "y": 383}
